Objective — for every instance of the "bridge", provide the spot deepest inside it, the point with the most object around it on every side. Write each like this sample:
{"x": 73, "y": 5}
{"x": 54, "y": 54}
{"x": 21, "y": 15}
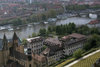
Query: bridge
{"x": 86, "y": 12}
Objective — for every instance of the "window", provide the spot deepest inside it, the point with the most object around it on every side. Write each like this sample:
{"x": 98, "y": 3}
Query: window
{"x": 30, "y": 65}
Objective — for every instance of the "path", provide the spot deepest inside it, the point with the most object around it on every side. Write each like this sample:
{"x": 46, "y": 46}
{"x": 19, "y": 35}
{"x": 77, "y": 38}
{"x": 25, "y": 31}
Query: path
{"x": 81, "y": 58}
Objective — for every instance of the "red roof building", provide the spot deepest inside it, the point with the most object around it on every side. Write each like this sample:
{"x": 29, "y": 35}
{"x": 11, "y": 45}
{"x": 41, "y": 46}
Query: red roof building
{"x": 93, "y": 22}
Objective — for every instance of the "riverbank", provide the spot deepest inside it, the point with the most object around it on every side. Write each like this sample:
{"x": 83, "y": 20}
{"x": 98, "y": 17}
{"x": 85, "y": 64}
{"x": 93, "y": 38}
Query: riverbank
{"x": 26, "y": 30}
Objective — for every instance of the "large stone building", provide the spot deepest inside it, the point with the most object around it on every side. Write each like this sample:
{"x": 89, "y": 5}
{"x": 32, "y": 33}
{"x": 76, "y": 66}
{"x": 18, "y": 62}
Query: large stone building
{"x": 73, "y": 42}
{"x": 53, "y": 52}
{"x": 58, "y": 48}
{"x": 12, "y": 53}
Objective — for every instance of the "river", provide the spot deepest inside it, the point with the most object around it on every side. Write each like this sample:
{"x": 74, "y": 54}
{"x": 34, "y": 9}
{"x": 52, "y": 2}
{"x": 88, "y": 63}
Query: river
{"x": 25, "y": 31}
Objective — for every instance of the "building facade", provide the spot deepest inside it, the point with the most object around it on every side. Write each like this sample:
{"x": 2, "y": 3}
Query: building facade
{"x": 36, "y": 44}
{"x": 73, "y": 42}
{"x": 53, "y": 52}
{"x": 12, "y": 53}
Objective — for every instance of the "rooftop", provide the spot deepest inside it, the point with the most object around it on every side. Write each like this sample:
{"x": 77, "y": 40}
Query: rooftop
{"x": 53, "y": 40}
{"x": 74, "y": 35}
{"x": 34, "y": 38}
{"x": 94, "y": 22}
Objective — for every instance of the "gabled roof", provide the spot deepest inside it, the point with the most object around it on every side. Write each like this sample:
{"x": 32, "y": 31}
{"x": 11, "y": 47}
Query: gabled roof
{"x": 54, "y": 41}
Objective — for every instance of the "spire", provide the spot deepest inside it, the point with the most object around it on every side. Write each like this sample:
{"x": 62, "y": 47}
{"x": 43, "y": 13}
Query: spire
{"x": 15, "y": 36}
{"x": 15, "y": 40}
{"x": 5, "y": 43}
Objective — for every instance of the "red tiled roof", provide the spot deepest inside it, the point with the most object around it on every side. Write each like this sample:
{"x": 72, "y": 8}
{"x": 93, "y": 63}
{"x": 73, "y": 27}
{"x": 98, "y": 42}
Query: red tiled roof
{"x": 93, "y": 22}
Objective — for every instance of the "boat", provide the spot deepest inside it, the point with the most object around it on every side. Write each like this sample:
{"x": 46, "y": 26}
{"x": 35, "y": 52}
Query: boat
{"x": 45, "y": 22}
{"x": 36, "y": 23}
{"x": 29, "y": 25}
{"x": 11, "y": 29}
{"x": 2, "y": 28}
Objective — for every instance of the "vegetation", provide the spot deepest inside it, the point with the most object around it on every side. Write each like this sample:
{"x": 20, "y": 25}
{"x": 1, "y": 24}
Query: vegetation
{"x": 78, "y": 53}
{"x": 34, "y": 35}
{"x": 93, "y": 42}
{"x": 44, "y": 16}
{"x": 52, "y": 13}
{"x": 24, "y": 42}
{"x": 88, "y": 62}
{"x": 66, "y": 29}
{"x": 65, "y": 62}
{"x": 43, "y": 32}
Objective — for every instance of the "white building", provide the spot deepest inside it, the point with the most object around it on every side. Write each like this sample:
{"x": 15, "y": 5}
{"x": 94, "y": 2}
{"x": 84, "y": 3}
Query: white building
{"x": 36, "y": 44}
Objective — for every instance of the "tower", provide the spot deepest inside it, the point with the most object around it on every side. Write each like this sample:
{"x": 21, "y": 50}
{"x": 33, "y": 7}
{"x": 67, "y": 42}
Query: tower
{"x": 5, "y": 50}
{"x": 15, "y": 40}
{"x": 5, "y": 43}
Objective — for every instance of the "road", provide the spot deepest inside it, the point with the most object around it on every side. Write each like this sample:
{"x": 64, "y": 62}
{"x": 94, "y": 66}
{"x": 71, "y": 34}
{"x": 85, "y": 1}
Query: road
{"x": 69, "y": 65}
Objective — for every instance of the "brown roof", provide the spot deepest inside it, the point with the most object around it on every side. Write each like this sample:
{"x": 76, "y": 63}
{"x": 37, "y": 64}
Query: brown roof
{"x": 65, "y": 37}
{"x": 94, "y": 22}
{"x": 53, "y": 40}
{"x": 74, "y": 35}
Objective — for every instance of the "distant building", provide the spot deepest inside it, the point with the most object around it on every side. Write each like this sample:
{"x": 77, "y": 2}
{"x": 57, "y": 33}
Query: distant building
{"x": 11, "y": 1}
{"x": 94, "y": 23}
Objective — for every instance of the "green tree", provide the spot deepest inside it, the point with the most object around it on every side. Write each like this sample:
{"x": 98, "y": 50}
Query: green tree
{"x": 93, "y": 41}
{"x": 78, "y": 53}
{"x": 43, "y": 32}
{"x": 94, "y": 31}
{"x": 29, "y": 36}
{"x": 34, "y": 35}
{"x": 51, "y": 13}
{"x": 17, "y": 21}
{"x": 43, "y": 17}
{"x": 24, "y": 42}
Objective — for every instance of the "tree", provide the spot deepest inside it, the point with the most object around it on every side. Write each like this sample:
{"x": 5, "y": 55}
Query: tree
{"x": 93, "y": 41}
{"x": 94, "y": 31}
{"x": 51, "y": 13}
{"x": 17, "y": 21}
{"x": 43, "y": 17}
{"x": 34, "y": 35}
{"x": 29, "y": 36}
{"x": 24, "y": 42}
{"x": 83, "y": 30}
{"x": 43, "y": 32}
{"x": 78, "y": 53}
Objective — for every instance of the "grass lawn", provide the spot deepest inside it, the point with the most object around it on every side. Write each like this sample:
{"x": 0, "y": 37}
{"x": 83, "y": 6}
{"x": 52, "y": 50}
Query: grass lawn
{"x": 88, "y": 61}
{"x": 65, "y": 62}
